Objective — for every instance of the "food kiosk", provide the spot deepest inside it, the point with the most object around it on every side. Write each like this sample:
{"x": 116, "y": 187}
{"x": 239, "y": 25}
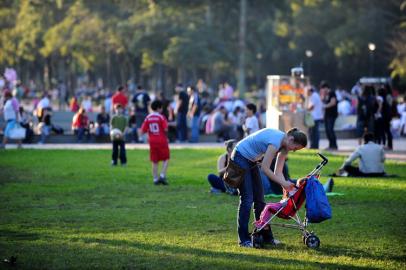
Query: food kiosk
{"x": 286, "y": 97}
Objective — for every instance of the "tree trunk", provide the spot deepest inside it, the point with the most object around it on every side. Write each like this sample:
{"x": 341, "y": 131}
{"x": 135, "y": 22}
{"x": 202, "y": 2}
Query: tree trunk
{"x": 242, "y": 37}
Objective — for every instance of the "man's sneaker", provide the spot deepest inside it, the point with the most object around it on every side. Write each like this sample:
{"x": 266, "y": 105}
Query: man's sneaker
{"x": 163, "y": 181}
{"x": 275, "y": 242}
{"x": 157, "y": 182}
{"x": 246, "y": 244}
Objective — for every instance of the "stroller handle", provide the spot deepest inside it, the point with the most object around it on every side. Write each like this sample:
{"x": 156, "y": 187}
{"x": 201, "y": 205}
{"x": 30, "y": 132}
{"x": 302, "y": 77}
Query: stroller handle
{"x": 320, "y": 165}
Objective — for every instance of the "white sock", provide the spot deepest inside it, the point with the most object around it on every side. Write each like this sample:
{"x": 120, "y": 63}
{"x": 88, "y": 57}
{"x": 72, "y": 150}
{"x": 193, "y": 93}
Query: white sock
{"x": 162, "y": 175}
{"x": 156, "y": 180}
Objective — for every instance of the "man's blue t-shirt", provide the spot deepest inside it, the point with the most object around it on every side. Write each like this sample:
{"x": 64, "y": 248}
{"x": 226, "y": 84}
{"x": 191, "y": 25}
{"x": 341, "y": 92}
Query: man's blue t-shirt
{"x": 254, "y": 146}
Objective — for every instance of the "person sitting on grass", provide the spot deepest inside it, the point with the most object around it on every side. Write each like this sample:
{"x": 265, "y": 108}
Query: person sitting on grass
{"x": 216, "y": 181}
{"x": 156, "y": 125}
{"x": 119, "y": 121}
{"x": 372, "y": 158}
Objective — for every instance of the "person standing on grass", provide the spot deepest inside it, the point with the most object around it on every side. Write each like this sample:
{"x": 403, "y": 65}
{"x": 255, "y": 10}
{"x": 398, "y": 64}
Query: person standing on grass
{"x": 119, "y": 121}
{"x": 330, "y": 113}
{"x": 156, "y": 126}
{"x": 266, "y": 143}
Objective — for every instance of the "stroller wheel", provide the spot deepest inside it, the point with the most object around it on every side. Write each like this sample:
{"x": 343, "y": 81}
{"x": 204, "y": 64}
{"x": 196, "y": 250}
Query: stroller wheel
{"x": 257, "y": 240}
{"x": 312, "y": 241}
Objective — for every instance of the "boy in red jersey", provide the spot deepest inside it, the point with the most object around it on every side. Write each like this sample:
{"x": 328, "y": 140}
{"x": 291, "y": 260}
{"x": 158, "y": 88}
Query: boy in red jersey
{"x": 157, "y": 126}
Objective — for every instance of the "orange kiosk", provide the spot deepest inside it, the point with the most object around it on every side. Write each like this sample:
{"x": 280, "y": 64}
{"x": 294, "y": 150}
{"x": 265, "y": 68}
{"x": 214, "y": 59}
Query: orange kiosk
{"x": 286, "y": 97}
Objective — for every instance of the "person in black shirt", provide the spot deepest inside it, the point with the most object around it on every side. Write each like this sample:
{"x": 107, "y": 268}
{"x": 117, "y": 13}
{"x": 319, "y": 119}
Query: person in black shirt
{"x": 330, "y": 113}
{"x": 181, "y": 113}
{"x": 102, "y": 122}
{"x": 141, "y": 102}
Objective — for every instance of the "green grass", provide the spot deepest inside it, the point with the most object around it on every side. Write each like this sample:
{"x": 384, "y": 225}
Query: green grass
{"x": 70, "y": 210}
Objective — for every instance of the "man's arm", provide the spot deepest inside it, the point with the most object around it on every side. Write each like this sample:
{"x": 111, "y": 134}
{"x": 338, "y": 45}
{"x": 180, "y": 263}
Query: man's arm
{"x": 332, "y": 103}
{"x": 356, "y": 154}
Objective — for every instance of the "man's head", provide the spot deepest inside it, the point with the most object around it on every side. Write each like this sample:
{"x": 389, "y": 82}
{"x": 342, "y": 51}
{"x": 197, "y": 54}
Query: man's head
{"x": 190, "y": 90}
{"x": 120, "y": 88}
{"x": 156, "y": 106}
{"x": 368, "y": 137}
{"x": 139, "y": 88}
{"x": 251, "y": 109}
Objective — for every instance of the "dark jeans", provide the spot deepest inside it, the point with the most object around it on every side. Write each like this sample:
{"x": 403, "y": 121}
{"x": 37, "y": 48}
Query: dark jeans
{"x": 81, "y": 132}
{"x": 181, "y": 126}
{"x": 123, "y": 158}
{"x": 251, "y": 192}
{"x": 330, "y": 133}
{"x": 387, "y": 134}
{"x": 315, "y": 135}
{"x": 379, "y": 131}
{"x": 216, "y": 182}
{"x": 354, "y": 171}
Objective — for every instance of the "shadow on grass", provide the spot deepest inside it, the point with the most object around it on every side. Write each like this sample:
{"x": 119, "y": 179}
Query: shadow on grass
{"x": 335, "y": 251}
{"x": 213, "y": 255}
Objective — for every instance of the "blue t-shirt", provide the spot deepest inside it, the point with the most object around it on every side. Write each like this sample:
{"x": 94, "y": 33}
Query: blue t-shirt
{"x": 254, "y": 146}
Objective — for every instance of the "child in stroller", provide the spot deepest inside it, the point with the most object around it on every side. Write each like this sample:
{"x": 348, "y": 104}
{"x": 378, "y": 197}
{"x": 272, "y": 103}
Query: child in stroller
{"x": 287, "y": 208}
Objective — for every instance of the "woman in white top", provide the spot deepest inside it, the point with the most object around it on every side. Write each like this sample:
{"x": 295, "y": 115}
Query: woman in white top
{"x": 251, "y": 124}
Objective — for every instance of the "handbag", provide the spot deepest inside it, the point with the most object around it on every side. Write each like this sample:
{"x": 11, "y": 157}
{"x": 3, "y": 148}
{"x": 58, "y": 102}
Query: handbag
{"x": 234, "y": 174}
{"x": 17, "y": 132}
{"x": 308, "y": 120}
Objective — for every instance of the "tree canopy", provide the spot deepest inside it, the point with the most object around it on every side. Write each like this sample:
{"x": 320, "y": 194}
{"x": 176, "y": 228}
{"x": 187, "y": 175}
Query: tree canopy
{"x": 161, "y": 42}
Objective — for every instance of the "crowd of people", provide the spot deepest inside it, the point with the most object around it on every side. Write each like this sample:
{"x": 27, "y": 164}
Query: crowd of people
{"x": 197, "y": 109}
{"x": 376, "y": 108}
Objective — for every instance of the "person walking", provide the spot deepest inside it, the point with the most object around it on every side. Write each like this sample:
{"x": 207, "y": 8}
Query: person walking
{"x": 141, "y": 102}
{"x": 316, "y": 109}
{"x": 330, "y": 113}
{"x": 266, "y": 144}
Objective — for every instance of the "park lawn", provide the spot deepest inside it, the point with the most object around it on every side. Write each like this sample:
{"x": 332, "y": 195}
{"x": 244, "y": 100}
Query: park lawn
{"x": 69, "y": 209}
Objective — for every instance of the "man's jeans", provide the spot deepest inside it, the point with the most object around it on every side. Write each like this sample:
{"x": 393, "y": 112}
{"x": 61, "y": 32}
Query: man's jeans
{"x": 315, "y": 135}
{"x": 251, "y": 191}
{"x": 181, "y": 127}
{"x": 194, "y": 137}
{"x": 331, "y": 135}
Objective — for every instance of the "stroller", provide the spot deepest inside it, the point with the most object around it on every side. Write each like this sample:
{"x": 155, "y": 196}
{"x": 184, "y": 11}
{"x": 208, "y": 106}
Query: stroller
{"x": 288, "y": 209}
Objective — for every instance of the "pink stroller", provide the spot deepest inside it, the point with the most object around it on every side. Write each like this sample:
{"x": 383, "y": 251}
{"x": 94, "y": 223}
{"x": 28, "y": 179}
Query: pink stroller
{"x": 288, "y": 209}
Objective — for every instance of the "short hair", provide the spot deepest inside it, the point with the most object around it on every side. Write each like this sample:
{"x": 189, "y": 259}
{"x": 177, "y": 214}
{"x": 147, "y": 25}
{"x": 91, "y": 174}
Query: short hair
{"x": 252, "y": 107}
{"x": 139, "y": 87}
{"x": 368, "y": 137}
{"x": 120, "y": 88}
{"x": 299, "y": 136}
{"x": 156, "y": 105}
{"x": 118, "y": 106}
{"x": 324, "y": 84}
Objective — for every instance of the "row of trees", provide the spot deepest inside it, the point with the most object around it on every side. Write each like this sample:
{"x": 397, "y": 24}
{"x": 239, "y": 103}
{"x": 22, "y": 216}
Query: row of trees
{"x": 161, "y": 42}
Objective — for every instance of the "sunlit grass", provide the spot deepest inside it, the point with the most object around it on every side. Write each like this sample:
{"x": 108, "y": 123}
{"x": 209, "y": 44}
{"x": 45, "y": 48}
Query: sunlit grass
{"x": 71, "y": 210}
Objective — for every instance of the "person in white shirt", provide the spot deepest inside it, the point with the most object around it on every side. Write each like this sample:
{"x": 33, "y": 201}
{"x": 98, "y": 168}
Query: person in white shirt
{"x": 251, "y": 124}
{"x": 87, "y": 104}
{"x": 316, "y": 109}
{"x": 372, "y": 158}
{"x": 11, "y": 116}
{"x": 43, "y": 105}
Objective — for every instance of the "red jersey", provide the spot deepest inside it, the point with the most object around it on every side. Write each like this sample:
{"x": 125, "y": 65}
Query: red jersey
{"x": 119, "y": 98}
{"x": 156, "y": 125}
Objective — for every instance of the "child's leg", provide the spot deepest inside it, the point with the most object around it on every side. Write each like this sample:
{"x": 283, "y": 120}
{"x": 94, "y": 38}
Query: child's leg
{"x": 164, "y": 168}
{"x": 265, "y": 216}
{"x": 155, "y": 171}
{"x": 123, "y": 155}
{"x": 114, "y": 155}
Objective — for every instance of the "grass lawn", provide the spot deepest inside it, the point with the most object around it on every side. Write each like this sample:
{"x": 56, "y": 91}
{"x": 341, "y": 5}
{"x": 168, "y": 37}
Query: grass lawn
{"x": 67, "y": 209}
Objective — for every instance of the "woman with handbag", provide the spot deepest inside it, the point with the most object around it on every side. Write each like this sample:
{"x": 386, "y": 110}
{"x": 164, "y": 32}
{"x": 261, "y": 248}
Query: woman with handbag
{"x": 266, "y": 143}
{"x": 11, "y": 118}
